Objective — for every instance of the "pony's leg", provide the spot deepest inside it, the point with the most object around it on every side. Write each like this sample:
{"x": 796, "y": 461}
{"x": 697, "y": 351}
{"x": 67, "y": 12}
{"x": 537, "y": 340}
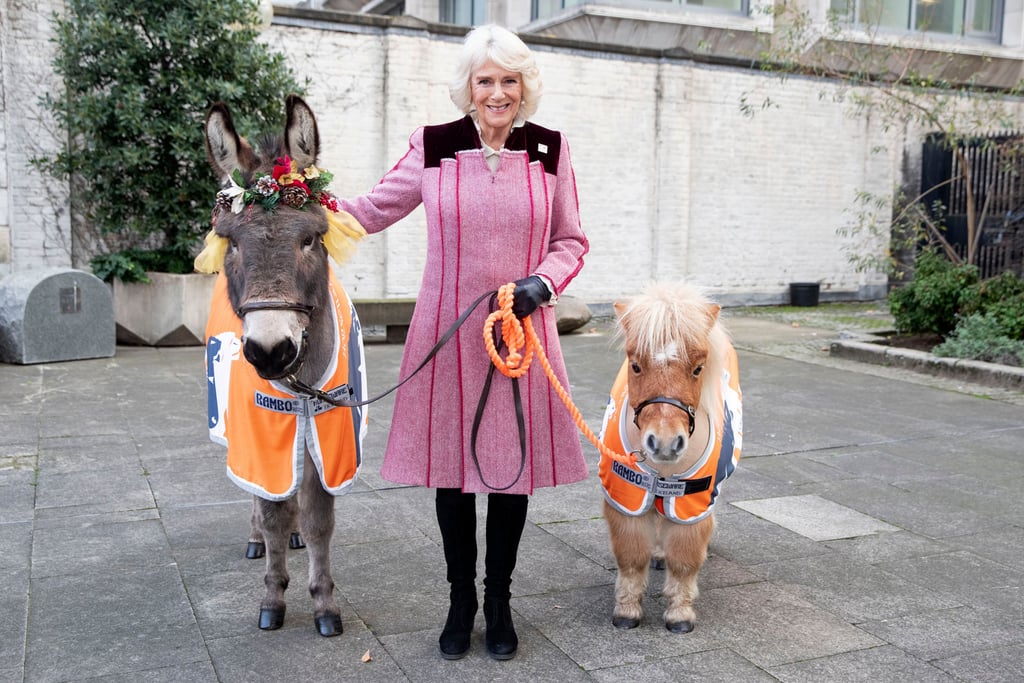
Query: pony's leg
{"x": 316, "y": 514}
{"x": 256, "y": 547}
{"x": 686, "y": 547}
{"x": 632, "y": 540}
{"x": 658, "y": 552}
{"x": 276, "y": 519}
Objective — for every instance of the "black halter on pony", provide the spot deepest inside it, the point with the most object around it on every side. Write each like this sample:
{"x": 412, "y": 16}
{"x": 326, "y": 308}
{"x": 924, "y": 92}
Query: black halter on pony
{"x": 690, "y": 411}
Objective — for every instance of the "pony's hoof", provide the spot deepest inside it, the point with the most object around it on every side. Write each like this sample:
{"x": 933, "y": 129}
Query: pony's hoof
{"x": 255, "y": 550}
{"x": 679, "y": 626}
{"x": 658, "y": 563}
{"x": 271, "y": 618}
{"x": 295, "y": 541}
{"x": 329, "y": 625}
{"x": 625, "y": 622}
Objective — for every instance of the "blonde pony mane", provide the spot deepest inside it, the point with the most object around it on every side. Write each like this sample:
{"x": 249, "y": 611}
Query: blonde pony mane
{"x": 676, "y": 315}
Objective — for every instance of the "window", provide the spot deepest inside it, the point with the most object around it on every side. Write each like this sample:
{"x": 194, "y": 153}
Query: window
{"x": 464, "y": 12}
{"x": 975, "y": 18}
{"x": 543, "y": 9}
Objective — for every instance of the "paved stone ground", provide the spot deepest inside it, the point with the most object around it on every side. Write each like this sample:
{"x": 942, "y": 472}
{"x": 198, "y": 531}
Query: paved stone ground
{"x": 873, "y": 531}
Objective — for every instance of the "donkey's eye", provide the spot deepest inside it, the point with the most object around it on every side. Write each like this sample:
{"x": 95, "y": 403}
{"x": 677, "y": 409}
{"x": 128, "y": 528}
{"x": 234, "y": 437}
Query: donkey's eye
{"x": 308, "y": 242}
{"x": 697, "y": 370}
{"x": 232, "y": 245}
{"x": 635, "y": 367}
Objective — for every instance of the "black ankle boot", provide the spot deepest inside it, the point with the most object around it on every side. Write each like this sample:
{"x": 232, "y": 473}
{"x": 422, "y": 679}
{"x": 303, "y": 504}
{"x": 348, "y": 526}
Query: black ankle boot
{"x": 454, "y": 640}
{"x": 501, "y": 639}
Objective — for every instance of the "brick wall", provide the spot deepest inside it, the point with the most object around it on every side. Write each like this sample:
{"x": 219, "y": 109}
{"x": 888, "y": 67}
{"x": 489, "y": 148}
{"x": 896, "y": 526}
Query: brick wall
{"x": 674, "y": 181}
{"x": 34, "y": 214}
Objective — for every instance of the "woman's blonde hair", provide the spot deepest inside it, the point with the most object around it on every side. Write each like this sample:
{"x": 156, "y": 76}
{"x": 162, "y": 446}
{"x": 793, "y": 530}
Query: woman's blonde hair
{"x": 504, "y": 48}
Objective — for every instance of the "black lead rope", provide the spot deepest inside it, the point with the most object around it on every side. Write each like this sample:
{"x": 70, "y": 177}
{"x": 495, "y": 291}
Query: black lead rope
{"x": 300, "y": 387}
{"x": 478, "y": 418}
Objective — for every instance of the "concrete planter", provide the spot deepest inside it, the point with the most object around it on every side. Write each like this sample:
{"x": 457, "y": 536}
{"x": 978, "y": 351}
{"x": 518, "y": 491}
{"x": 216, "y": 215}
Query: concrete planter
{"x": 169, "y": 310}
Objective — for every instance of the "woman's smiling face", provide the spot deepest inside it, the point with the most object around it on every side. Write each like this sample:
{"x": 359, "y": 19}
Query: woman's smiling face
{"x": 497, "y": 94}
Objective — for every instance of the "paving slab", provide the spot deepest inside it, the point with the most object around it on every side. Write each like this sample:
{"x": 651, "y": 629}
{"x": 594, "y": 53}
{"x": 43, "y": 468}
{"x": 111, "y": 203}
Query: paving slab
{"x": 814, "y": 517}
{"x": 884, "y": 663}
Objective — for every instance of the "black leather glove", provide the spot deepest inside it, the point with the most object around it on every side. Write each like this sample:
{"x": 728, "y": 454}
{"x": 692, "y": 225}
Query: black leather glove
{"x": 530, "y": 292}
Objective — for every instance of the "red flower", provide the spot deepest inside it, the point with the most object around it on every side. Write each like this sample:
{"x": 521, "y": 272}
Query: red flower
{"x": 282, "y": 165}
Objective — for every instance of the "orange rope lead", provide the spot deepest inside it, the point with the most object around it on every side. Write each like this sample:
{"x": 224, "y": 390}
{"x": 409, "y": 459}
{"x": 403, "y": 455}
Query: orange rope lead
{"x": 520, "y": 339}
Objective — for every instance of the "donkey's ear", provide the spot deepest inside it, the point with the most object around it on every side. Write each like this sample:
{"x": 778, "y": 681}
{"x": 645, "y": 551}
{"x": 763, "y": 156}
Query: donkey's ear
{"x": 301, "y": 137}
{"x": 225, "y": 149}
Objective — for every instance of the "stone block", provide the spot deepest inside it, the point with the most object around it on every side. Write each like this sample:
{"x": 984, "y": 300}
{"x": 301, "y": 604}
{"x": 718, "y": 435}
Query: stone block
{"x": 169, "y": 310}
{"x": 571, "y": 314}
{"x": 55, "y": 314}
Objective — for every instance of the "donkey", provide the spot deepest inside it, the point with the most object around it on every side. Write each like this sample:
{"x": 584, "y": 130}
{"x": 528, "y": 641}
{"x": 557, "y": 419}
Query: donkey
{"x": 279, "y": 324}
{"x": 676, "y": 406}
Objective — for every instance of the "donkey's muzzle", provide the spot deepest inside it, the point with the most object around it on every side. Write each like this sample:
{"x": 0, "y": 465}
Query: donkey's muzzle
{"x": 280, "y": 360}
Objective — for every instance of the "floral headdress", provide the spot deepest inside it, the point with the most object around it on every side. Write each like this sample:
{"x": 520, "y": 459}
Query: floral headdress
{"x": 289, "y": 187}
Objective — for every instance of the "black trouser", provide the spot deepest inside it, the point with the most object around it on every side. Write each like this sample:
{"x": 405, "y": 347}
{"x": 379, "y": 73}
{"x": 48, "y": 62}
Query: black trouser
{"x": 456, "y": 517}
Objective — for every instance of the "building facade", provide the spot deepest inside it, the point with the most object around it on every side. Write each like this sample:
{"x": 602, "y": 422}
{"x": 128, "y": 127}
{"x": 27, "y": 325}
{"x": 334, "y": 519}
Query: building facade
{"x": 676, "y": 180}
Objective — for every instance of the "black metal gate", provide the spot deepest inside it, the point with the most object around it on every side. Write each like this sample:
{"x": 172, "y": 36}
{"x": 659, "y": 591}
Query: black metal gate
{"x": 996, "y": 163}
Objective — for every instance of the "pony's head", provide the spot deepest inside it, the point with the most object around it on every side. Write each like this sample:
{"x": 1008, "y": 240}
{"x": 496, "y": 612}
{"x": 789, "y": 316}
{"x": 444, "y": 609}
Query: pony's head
{"x": 674, "y": 343}
{"x": 271, "y": 215}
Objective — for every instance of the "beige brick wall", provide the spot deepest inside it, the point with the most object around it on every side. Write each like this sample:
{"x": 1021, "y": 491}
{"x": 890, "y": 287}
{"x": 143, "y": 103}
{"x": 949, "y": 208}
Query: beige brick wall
{"x": 34, "y": 224}
{"x": 674, "y": 181}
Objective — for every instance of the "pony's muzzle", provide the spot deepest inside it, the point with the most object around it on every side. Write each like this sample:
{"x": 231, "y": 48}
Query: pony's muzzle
{"x": 663, "y": 448}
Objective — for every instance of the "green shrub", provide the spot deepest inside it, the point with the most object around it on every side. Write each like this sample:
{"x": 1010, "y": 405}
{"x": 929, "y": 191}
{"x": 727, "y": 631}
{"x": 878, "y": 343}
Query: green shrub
{"x": 931, "y": 302}
{"x": 1003, "y": 297}
{"x": 981, "y": 337}
{"x": 139, "y": 77}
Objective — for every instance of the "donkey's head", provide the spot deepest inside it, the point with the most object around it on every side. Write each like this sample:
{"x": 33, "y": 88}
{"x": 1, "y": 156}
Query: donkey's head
{"x": 269, "y": 211}
{"x": 673, "y": 344}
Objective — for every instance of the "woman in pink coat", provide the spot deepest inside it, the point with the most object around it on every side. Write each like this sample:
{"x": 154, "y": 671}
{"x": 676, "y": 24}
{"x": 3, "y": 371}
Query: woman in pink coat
{"x": 501, "y": 206}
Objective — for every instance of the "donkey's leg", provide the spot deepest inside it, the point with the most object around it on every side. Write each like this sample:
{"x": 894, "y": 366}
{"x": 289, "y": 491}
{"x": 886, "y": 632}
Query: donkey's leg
{"x": 256, "y": 547}
{"x": 316, "y": 514}
{"x": 632, "y": 541}
{"x": 686, "y": 547}
{"x": 276, "y": 519}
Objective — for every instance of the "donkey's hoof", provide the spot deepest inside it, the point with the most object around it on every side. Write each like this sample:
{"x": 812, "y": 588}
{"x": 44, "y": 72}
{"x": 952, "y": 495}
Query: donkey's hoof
{"x": 271, "y": 618}
{"x": 625, "y": 622}
{"x": 295, "y": 541}
{"x": 329, "y": 625}
{"x": 658, "y": 563}
{"x": 255, "y": 550}
{"x": 679, "y": 626}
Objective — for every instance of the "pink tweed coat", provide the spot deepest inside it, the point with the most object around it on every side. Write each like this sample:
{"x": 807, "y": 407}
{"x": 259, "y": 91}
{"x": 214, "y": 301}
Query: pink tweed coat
{"x": 485, "y": 229}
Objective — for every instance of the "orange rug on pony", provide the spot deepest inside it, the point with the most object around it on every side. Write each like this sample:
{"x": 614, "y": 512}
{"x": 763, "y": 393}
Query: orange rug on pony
{"x": 684, "y": 498}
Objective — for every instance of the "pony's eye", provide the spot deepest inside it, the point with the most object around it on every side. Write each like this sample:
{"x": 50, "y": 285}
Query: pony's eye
{"x": 697, "y": 370}
{"x": 635, "y": 367}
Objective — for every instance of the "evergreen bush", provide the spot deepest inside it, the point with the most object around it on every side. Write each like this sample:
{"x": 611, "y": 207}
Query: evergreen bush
{"x": 931, "y": 302}
{"x": 139, "y": 77}
{"x": 981, "y": 337}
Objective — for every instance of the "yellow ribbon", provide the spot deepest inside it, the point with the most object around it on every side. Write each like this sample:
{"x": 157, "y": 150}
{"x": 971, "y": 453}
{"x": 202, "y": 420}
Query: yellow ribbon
{"x": 343, "y": 235}
{"x": 341, "y": 239}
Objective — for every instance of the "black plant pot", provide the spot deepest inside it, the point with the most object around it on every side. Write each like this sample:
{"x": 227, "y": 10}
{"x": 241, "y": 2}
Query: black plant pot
{"x": 804, "y": 293}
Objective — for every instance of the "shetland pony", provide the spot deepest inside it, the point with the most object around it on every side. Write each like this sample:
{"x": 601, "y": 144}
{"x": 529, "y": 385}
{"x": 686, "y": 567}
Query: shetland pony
{"x": 675, "y": 405}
